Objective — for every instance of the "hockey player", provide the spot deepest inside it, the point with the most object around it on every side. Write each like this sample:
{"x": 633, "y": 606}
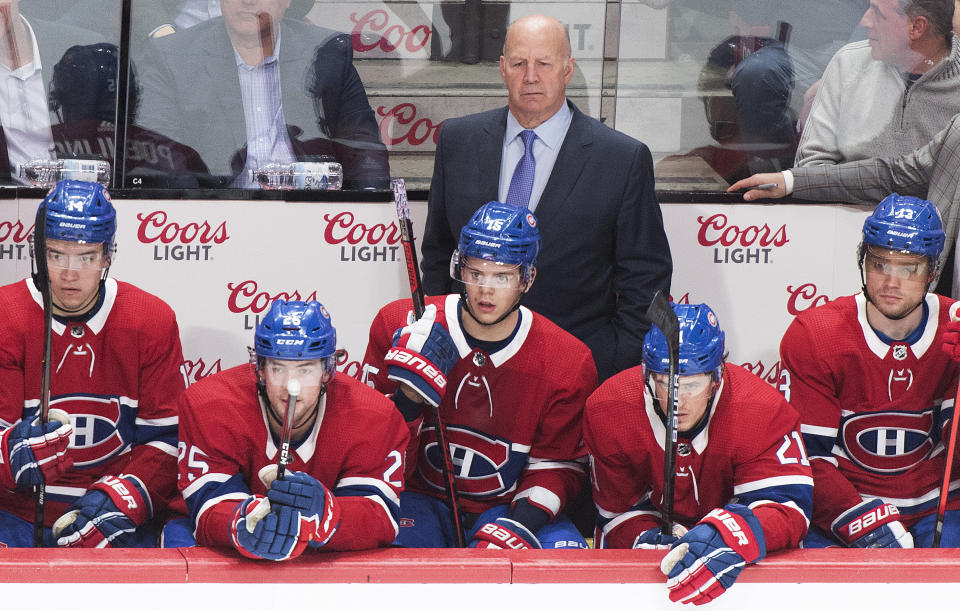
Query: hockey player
{"x": 108, "y": 450}
{"x": 867, "y": 374}
{"x": 743, "y": 486}
{"x": 345, "y": 471}
{"x": 510, "y": 386}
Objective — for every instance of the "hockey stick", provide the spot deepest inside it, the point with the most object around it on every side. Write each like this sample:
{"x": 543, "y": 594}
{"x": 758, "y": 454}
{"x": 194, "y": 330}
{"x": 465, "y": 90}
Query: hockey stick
{"x": 947, "y": 473}
{"x": 660, "y": 314}
{"x": 416, "y": 291}
{"x": 293, "y": 389}
{"x": 41, "y": 278}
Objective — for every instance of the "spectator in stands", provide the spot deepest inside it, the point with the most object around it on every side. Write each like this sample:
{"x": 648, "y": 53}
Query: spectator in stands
{"x": 216, "y": 87}
{"x": 890, "y": 94}
{"x": 930, "y": 171}
{"x": 26, "y": 48}
{"x": 604, "y": 248}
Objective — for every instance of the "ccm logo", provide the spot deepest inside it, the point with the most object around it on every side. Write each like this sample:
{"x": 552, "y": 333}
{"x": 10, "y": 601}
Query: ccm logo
{"x": 731, "y": 524}
{"x": 413, "y": 361}
{"x": 289, "y": 342}
{"x": 121, "y": 489}
{"x": 876, "y": 516}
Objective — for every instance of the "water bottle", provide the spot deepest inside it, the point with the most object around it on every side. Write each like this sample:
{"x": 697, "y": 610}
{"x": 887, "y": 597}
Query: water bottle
{"x": 324, "y": 175}
{"x": 47, "y": 172}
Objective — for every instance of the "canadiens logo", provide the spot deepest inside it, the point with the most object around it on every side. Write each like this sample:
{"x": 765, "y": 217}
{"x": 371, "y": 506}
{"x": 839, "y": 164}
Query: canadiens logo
{"x": 900, "y": 352}
{"x": 483, "y": 465}
{"x": 94, "y": 419}
{"x": 887, "y": 442}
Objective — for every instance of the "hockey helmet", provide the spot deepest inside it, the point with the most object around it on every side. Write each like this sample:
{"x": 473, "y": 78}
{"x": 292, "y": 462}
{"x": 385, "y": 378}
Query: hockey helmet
{"x": 80, "y": 211}
{"x": 905, "y": 224}
{"x": 83, "y": 86}
{"x": 701, "y": 343}
{"x": 297, "y": 331}
{"x": 501, "y": 233}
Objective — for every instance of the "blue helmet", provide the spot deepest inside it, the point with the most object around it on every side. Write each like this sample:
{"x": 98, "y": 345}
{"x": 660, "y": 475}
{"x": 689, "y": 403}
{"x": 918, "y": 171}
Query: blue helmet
{"x": 905, "y": 224}
{"x": 701, "y": 343}
{"x": 297, "y": 331}
{"x": 502, "y": 233}
{"x": 79, "y": 211}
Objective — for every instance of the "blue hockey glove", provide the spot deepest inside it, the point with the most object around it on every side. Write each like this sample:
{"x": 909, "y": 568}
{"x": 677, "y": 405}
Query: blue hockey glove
{"x": 106, "y": 516}
{"x": 504, "y": 533}
{"x": 319, "y": 512}
{"x": 259, "y": 530}
{"x": 31, "y": 454}
{"x": 706, "y": 561}
{"x": 422, "y": 355}
{"x": 872, "y": 524}
{"x": 654, "y": 539}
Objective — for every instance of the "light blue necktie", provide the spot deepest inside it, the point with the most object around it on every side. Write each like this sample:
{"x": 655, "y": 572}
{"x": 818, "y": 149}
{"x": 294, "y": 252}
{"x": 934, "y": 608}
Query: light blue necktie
{"x": 522, "y": 182}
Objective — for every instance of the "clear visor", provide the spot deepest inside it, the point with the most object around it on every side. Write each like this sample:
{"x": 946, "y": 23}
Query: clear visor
{"x": 896, "y": 265}
{"x": 689, "y": 386}
{"x": 310, "y": 374}
{"x": 492, "y": 274}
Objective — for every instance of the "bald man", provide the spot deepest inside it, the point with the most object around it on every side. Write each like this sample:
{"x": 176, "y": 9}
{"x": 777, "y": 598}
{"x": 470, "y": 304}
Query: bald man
{"x": 604, "y": 249}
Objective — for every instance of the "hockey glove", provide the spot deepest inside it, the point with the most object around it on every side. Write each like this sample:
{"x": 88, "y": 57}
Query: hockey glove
{"x": 872, "y": 524}
{"x": 504, "y": 533}
{"x": 706, "y": 561}
{"x": 654, "y": 539}
{"x": 317, "y": 507}
{"x": 422, "y": 355}
{"x": 106, "y": 516}
{"x": 259, "y": 530}
{"x": 31, "y": 454}
{"x": 951, "y": 340}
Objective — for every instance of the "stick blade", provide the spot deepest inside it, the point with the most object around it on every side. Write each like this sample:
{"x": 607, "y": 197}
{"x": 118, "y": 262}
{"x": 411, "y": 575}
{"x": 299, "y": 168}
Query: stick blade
{"x": 661, "y": 315}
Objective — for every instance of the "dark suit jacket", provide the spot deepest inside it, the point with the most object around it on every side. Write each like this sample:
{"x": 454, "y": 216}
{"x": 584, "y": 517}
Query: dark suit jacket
{"x": 190, "y": 93}
{"x": 604, "y": 248}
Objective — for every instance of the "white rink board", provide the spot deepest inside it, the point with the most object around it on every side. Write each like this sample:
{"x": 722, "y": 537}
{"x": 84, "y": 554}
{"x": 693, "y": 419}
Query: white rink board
{"x": 470, "y": 597}
{"x": 219, "y": 263}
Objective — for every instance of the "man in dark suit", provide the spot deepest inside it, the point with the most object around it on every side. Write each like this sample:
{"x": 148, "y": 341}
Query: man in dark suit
{"x": 252, "y": 72}
{"x": 604, "y": 248}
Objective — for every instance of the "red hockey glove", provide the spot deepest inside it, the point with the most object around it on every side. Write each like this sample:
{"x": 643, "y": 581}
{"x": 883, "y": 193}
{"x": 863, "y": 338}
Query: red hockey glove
{"x": 422, "y": 355}
{"x": 872, "y": 524}
{"x": 106, "y": 516}
{"x": 504, "y": 533}
{"x": 707, "y": 560}
{"x": 31, "y": 454}
{"x": 951, "y": 340}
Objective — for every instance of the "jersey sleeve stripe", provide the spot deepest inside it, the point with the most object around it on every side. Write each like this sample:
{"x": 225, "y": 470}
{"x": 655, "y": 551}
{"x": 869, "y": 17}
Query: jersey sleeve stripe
{"x": 390, "y": 516}
{"x": 772, "y": 482}
{"x": 232, "y": 496}
{"x": 381, "y": 487}
{"x": 538, "y": 495}
{"x": 820, "y": 431}
{"x": 171, "y": 421}
{"x": 789, "y": 504}
{"x": 543, "y": 464}
{"x": 166, "y": 448}
{"x": 203, "y": 480}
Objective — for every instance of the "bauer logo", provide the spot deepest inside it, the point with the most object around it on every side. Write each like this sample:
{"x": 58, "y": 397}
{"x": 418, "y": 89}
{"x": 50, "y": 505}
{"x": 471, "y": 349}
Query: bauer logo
{"x": 14, "y": 241}
{"x": 362, "y": 243}
{"x": 249, "y": 299}
{"x": 734, "y": 244}
{"x": 177, "y": 240}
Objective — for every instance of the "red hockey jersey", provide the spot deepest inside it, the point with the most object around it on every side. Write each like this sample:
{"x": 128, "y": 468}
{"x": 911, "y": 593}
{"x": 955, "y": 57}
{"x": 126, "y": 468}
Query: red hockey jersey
{"x": 749, "y": 452}
{"x": 513, "y": 417}
{"x": 355, "y": 449}
{"x": 870, "y": 411}
{"x": 118, "y": 377}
